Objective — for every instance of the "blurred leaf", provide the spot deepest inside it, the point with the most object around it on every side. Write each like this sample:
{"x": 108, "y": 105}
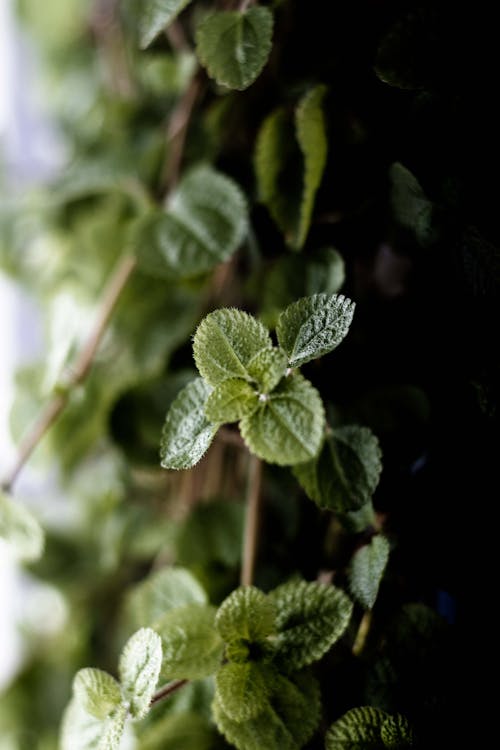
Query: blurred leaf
{"x": 366, "y": 570}
{"x": 20, "y": 529}
{"x": 246, "y": 45}
{"x": 97, "y": 692}
{"x": 409, "y": 54}
{"x": 314, "y": 326}
{"x": 225, "y": 342}
{"x": 204, "y": 223}
{"x": 367, "y": 727}
{"x": 212, "y": 533}
{"x": 410, "y": 205}
{"x": 139, "y": 669}
{"x": 187, "y": 434}
{"x": 311, "y": 617}
{"x": 164, "y": 590}
{"x": 242, "y": 689}
{"x": 346, "y": 472}
{"x": 230, "y": 401}
{"x": 287, "y": 427}
{"x": 156, "y": 15}
{"x": 246, "y": 614}
{"x": 182, "y": 731}
{"x": 192, "y": 647}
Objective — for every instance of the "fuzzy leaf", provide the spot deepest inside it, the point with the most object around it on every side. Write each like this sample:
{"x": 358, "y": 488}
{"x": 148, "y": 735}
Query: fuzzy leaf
{"x": 311, "y": 617}
{"x": 235, "y": 46}
{"x": 166, "y": 589}
{"x": 112, "y": 734}
{"x": 97, "y": 692}
{"x": 205, "y": 222}
{"x": 369, "y": 728}
{"x": 187, "y": 433}
{"x": 287, "y": 428}
{"x": 139, "y": 668}
{"x": 225, "y": 342}
{"x": 346, "y": 472}
{"x": 313, "y": 326}
{"x": 311, "y": 136}
{"x": 242, "y": 689}
{"x": 247, "y": 613}
{"x": 20, "y": 529}
{"x": 366, "y": 570}
{"x": 192, "y": 647}
{"x": 286, "y": 723}
{"x": 82, "y": 731}
{"x": 155, "y": 17}
{"x": 267, "y": 367}
{"x": 230, "y": 401}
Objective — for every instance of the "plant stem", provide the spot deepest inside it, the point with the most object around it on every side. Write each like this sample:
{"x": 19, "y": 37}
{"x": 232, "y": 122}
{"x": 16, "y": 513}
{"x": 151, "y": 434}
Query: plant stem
{"x": 167, "y": 690}
{"x": 362, "y": 634}
{"x": 244, "y": 5}
{"x": 75, "y": 374}
{"x": 250, "y": 535}
{"x": 177, "y": 132}
{"x": 177, "y": 38}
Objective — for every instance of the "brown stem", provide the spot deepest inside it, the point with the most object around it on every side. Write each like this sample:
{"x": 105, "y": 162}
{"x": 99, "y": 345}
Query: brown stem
{"x": 76, "y": 374}
{"x": 167, "y": 690}
{"x": 362, "y": 634}
{"x": 177, "y": 38}
{"x": 177, "y": 132}
{"x": 244, "y": 5}
{"x": 250, "y": 535}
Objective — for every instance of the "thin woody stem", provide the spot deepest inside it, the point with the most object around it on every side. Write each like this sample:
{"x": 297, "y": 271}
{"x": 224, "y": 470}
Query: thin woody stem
{"x": 362, "y": 634}
{"x": 250, "y": 535}
{"x": 177, "y": 132}
{"x": 76, "y": 374}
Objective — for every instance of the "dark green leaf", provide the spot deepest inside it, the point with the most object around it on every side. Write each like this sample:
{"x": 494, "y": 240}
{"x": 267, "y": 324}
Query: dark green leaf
{"x": 187, "y": 433}
{"x": 205, "y": 222}
{"x": 235, "y": 46}
{"x": 313, "y": 326}
{"x": 369, "y": 728}
{"x": 287, "y": 428}
{"x": 311, "y": 617}
{"x": 366, "y": 570}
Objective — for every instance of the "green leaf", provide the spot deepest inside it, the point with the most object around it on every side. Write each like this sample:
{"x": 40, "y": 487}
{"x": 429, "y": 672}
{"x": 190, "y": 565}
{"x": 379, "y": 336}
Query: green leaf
{"x": 179, "y": 731}
{"x": 20, "y": 529}
{"x": 155, "y": 15}
{"x": 313, "y": 326}
{"x": 187, "y": 433}
{"x": 113, "y": 730}
{"x": 242, "y": 689}
{"x": 235, "y": 46}
{"x": 139, "y": 668}
{"x": 225, "y": 342}
{"x": 287, "y": 428}
{"x": 286, "y": 723}
{"x": 369, "y": 728}
{"x": 192, "y": 647}
{"x": 230, "y": 401}
{"x": 366, "y": 570}
{"x": 247, "y": 613}
{"x": 212, "y": 533}
{"x": 311, "y": 617}
{"x": 311, "y": 135}
{"x": 205, "y": 222}
{"x": 82, "y": 731}
{"x": 98, "y": 693}
{"x": 267, "y": 367}
{"x": 166, "y": 589}
{"x": 410, "y": 206}
{"x": 346, "y": 472}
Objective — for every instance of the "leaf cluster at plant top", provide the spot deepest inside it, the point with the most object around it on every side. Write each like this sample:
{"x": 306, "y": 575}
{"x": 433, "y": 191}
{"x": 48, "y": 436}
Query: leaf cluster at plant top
{"x": 245, "y": 379}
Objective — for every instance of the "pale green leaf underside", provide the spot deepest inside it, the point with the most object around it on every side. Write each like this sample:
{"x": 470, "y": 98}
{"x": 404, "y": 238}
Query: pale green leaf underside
{"x": 366, "y": 570}
{"x": 267, "y": 368}
{"x": 313, "y": 326}
{"x": 287, "y": 428}
{"x": 20, "y": 529}
{"x": 311, "y": 136}
{"x": 230, "y": 401}
{"x": 205, "y": 222}
{"x": 155, "y": 15}
{"x": 225, "y": 342}
{"x": 287, "y": 722}
{"x": 368, "y": 728}
{"x": 242, "y": 689}
{"x": 192, "y": 648}
{"x": 82, "y": 731}
{"x": 162, "y": 591}
{"x": 187, "y": 433}
{"x": 139, "y": 669}
{"x": 346, "y": 472}
{"x": 113, "y": 730}
{"x": 311, "y": 618}
{"x": 234, "y": 46}
{"x": 247, "y": 613}
{"x": 97, "y": 692}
